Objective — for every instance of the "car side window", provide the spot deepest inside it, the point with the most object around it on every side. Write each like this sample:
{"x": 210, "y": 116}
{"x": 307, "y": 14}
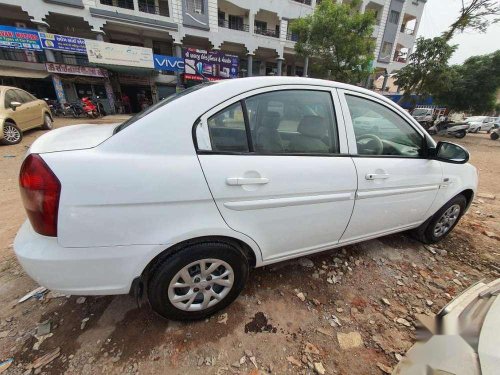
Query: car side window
{"x": 10, "y": 96}
{"x": 380, "y": 131}
{"x": 293, "y": 121}
{"x": 227, "y": 130}
{"x": 24, "y": 96}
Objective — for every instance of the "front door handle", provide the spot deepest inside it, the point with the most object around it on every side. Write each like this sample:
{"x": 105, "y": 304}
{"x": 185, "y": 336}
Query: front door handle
{"x": 235, "y": 181}
{"x": 376, "y": 176}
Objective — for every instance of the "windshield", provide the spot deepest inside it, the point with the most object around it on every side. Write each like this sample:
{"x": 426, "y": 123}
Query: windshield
{"x": 161, "y": 103}
{"x": 420, "y": 112}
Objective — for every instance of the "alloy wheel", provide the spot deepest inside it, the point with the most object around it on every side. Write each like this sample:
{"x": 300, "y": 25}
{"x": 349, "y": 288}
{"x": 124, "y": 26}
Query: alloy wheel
{"x": 201, "y": 284}
{"x": 447, "y": 220}
{"x": 11, "y": 134}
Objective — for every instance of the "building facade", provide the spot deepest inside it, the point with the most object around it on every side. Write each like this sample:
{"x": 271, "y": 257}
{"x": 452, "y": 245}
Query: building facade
{"x": 256, "y": 31}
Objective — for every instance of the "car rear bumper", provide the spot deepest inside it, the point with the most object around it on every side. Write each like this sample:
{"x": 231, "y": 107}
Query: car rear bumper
{"x": 80, "y": 271}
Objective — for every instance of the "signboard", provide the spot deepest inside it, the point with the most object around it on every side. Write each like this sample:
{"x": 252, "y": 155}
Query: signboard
{"x": 62, "y": 43}
{"x": 213, "y": 64}
{"x": 58, "y": 87}
{"x": 15, "y": 37}
{"x": 169, "y": 63}
{"x": 88, "y": 71}
{"x": 119, "y": 54}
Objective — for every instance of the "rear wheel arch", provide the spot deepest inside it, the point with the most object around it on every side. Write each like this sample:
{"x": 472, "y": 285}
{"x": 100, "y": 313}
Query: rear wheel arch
{"x": 238, "y": 244}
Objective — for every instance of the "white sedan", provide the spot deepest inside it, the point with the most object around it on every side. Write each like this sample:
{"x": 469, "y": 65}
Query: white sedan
{"x": 183, "y": 199}
{"x": 480, "y": 123}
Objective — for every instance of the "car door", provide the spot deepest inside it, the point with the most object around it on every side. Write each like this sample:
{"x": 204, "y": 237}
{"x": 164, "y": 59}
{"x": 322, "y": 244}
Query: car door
{"x": 31, "y": 108}
{"x": 276, "y": 163}
{"x": 20, "y": 117}
{"x": 397, "y": 183}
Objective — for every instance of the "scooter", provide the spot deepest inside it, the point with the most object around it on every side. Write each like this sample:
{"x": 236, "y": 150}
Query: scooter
{"x": 90, "y": 108}
{"x": 449, "y": 128}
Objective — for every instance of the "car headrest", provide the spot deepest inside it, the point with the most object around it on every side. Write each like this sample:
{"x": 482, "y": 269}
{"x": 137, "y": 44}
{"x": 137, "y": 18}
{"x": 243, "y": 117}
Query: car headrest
{"x": 312, "y": 126}
{"x": 270, "y": 120}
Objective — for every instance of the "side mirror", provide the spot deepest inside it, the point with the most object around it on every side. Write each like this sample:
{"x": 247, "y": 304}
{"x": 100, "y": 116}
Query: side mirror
{"x": 14, "y": 105}
{"x": 450, "y": 153}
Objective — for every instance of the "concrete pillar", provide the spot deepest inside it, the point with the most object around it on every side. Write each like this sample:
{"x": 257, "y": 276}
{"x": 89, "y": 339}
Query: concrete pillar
{"x": 100, "y": 37}
{"x": 49, "y": 54}
{"x": 251, "y": 22}
{"x": 279, "y": 62}
{"x": 178, "y": 53}
{"x": 249, "y": 65}
{"x": 306, "y": 66}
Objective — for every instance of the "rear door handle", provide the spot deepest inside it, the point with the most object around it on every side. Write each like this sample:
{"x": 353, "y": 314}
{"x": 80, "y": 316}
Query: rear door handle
{"x": 235, "y": 181}
{"x": 376, "y": 176}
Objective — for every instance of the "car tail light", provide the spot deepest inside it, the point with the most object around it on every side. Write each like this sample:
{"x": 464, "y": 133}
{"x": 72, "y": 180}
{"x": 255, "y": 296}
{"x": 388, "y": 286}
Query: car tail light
{"x": 40, "y": 191}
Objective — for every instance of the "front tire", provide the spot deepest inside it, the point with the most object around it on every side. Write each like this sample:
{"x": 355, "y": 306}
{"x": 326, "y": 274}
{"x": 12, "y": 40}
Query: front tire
{"x": 11, "y": 134}
{"x": 494, "y": 136}
{"x": 443, "y": 221}
{"x": 47, "y": 122}
{"x": 197, "y": 281}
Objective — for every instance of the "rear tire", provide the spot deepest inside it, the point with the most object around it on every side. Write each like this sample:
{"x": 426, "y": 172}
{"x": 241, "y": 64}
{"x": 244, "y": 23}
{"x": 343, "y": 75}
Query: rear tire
{"x": 461, "y": 134}
{"x": 48, "y": 124}
{"x": 442, "y": 222}
{"x": 11, "y": 134}
{"x": 198, "y": 294}
{"x": 494, "y": 136}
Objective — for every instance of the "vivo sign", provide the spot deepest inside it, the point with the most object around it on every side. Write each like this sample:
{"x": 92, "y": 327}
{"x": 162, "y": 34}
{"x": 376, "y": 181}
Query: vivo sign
{"x": 169, "y": 63}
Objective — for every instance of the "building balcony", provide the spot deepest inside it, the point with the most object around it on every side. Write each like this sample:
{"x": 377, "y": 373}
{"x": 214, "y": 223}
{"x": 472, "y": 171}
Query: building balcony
{"x": 233, "y": 25}
{"x": 400, "y": 57}
{"x": 267, "y": 32}
{"x": 292, "y": 36}
{"x": 124, "y": 4}
{"x": 161, "y": 9}
{"x": 407, "y": 31}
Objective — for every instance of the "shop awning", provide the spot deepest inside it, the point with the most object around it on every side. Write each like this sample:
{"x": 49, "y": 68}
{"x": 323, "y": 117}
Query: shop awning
{"x": 22, "y": 73}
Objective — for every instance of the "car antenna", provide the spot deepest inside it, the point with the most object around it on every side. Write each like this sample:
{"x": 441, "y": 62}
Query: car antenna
{"x": 205, "y": 79}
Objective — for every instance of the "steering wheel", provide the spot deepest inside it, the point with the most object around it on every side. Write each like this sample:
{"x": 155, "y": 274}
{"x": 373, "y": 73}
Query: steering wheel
{"x": 369, "y": 144}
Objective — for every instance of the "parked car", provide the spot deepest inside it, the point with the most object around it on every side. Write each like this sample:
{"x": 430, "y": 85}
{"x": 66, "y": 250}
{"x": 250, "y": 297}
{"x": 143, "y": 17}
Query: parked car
{"x": 426, "y": 115}
{"x": 178, "y": 203}
{"x": 461, "y": 339}
{"x": 480, "y": 123}
{"x": 20, "y": 111}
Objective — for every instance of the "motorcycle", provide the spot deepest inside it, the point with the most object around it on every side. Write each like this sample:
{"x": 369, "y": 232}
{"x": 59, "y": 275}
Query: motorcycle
{"x": 449, "y": 128}
{"x": 90, "y": 108}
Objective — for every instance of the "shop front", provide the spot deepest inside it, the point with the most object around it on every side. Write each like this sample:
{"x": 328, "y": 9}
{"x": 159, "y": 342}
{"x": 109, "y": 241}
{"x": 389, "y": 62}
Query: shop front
{"x": 73, "y": 82}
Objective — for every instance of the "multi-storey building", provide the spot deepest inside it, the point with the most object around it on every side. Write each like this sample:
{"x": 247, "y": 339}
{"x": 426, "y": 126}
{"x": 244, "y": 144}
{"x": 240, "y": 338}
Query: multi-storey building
{"x": 257, "y": 31}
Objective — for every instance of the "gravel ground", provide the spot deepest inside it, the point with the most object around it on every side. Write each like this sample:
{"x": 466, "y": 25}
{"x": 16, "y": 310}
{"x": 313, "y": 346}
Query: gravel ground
{"x": 346, "y": 311}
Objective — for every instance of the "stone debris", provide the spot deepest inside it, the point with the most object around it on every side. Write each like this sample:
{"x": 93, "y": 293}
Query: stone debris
{"x": 301, "y": 296}
{"x": 428, "y": 302}
{"x": 46, "y": 359}
{"x": 403, "y": 321}
{"x": 43, "y": 328}
{"x": 305, "y": 262}
{"x": 458, "y": 282}
{"x": 254, "y": 361}
{"x": 386, "y": 301}
{"x": 80, "y": 300}
{"x": 318, "y": 367}
{"x": 294, "y": 361}
{"x": 222, "y": 319}
{"x": 384, "y": 368}
{"x": 349, "y": 340}
{"x": 324, "y": 331}
{"x": 84, "y": 323}
{"x": 38, "y": 293}
{"x": 486, "y": 196}
{"x": 311, "y": 349}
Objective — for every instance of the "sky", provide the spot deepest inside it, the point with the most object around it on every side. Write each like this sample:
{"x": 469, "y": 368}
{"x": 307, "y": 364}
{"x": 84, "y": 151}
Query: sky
{"x": 439, "y": 14}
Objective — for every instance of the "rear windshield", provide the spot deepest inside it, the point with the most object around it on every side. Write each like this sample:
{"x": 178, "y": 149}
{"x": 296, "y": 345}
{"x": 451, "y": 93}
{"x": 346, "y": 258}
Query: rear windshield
{"x": 161, "y": 103}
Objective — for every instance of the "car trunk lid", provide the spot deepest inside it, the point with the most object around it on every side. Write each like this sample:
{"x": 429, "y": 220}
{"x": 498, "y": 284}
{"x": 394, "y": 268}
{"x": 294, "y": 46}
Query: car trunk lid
{"x": 75, "y": 137}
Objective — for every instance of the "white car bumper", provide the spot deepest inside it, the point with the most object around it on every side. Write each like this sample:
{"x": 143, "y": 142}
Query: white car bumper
{"x": 80, "y": 271}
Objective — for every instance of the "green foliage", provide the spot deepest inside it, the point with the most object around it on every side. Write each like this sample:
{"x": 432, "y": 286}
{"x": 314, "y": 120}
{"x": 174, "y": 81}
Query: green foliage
{"x": 475, "y": 15}
{"x": 427, "y": 72}
{"x": 337, "y": 37}
{"x": 474, "y": 85}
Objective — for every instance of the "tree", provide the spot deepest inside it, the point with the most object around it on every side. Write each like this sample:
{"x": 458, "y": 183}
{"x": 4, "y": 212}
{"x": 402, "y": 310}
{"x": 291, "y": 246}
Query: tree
{"x": 475, "y": 85}
{"x": 476, "y": 15}
{"x": 338, "y": 36}
{"x": 427, "y": 72}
